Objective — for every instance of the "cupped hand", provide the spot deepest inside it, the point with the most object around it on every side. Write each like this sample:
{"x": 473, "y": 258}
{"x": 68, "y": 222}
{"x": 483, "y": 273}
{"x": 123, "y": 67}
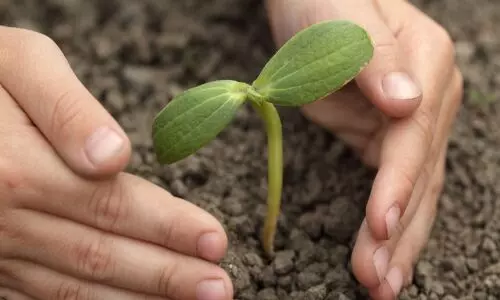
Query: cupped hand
{"x": 72, "y": 224}
{"x": 397, "y": 114}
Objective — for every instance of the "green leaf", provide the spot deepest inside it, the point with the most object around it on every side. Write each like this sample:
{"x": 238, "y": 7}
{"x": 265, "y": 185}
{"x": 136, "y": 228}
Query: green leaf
{"x": 317, "y": 61}
{"x": 195, "y": 117}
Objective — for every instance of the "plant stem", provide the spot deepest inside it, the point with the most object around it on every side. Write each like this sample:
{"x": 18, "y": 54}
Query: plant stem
{"x": 272, "y": 123}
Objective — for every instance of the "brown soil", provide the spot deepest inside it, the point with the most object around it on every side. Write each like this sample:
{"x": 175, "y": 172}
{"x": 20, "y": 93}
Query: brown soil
{"x": 135, "y": 55}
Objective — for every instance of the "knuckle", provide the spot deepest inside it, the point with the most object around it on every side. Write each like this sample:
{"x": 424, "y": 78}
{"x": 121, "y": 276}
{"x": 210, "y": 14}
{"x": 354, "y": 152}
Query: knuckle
{"x": 10, "y": 235}
{"x": 165, "y": 280}
{"x": 436, "y": 42}
{"x": 11, "y": 184}
{"x": 70, "y": 291}
{"x": 65, "y": 111}
{"x": 10, "y": 272}
{"x": 443, "y": 37}
{"x": 168, "y": 229}
{"x": 387, "y": 45}
{"x": 442, "y": 40}
{"x": 5, "y": 234}
{"x": 108, "y": 204}
{"x": 37, "y": 39}
{"x": 424, "y": 121}
{"x": 386, "y": 48}
{"x": 11, "y": 180}
{"x": 94, "y": 259}
{"x": 407, "y": 185}
{"x": 33, "y": 45}
{"x": 24, "y": 46}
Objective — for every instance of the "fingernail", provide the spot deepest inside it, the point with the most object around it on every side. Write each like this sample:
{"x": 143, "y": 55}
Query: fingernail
{"x": 208, "y": 246}
{"x": 392, "y": 220}
{"x": 395, "y": 280}
{"x": 380, "y": 261}
{"x": 102, "y": 145}
{"x": 211, "y": 290}
{"x": 400, "y": 86}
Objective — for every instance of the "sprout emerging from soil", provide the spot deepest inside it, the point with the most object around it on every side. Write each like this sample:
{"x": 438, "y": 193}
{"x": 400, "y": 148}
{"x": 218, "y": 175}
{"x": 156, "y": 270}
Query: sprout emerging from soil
{"x": 316, "y": 62}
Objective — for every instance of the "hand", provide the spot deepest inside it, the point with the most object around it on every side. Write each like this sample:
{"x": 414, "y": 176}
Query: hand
{"x": 397, "y": 114}
{"x": 72, "y": 226}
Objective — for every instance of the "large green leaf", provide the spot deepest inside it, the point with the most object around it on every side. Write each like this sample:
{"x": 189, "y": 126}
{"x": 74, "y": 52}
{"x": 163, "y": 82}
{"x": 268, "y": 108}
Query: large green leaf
{"x": 195, "y": 117}
{"x": 316, "y": 62}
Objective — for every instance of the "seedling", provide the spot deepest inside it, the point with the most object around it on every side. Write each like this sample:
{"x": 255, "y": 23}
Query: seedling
{"x": 316, "y": 62}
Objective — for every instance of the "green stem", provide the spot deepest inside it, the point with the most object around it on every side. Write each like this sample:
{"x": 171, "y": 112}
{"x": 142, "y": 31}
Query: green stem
{"x": 272, "y": 123}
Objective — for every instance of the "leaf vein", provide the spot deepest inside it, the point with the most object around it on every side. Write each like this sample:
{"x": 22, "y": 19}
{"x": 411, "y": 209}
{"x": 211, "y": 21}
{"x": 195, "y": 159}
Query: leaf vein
{"x": 169, "y": 123}
{"x": 188, "y": 135}
{"x": 310, "y": 63}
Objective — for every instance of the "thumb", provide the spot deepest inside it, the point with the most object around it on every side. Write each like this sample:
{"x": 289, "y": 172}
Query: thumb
{"x": 37, "y": 75}
{"x": 386, "y": 81}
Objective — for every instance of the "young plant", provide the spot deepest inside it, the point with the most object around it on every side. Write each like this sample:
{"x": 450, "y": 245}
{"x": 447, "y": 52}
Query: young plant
{"x": 316, "y": 62}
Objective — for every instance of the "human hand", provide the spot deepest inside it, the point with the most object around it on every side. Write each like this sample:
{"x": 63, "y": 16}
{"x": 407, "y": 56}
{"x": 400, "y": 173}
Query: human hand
{"x": 72, "y": 225}
{"x": 397, "y": 115}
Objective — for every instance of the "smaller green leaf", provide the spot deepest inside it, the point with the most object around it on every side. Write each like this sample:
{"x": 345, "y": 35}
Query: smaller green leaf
{"x": 315, "y": 62}
{"x": 195, "y": 117}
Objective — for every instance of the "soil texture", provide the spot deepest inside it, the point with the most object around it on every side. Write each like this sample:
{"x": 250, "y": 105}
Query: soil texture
{"x": 135, "y": 56}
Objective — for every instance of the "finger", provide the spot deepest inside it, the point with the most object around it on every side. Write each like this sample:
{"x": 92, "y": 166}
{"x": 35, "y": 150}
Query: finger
{"x": 407, "y": 145}
{"x": 46, "y": 284}
{"x": 336, "y": 112}
{"x": 387, "y": 81}
{"x": 370, "y": 258}
{"x": 8, "y": 294}
{"x": 35, "y": 72}
{"x": 11, "y": 112}
{"x": 408, "y": 141}
{"x": 95, "y": 256}
{"x": 131, "y": 206}
{"x": 447, "y": 116}
{"x": 126, "y": 205}
{"x": 431, "y": 183}
{"x": 408, "y": 248}
{"x": 367, "y": 249}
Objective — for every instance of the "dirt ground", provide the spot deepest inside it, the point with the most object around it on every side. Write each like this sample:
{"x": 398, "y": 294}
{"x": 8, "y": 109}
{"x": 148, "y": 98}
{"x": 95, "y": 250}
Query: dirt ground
{"x": 135, "y": 55}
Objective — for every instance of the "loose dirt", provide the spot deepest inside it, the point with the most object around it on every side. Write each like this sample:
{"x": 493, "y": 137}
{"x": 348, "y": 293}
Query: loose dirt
{"x": 135, "y": 55}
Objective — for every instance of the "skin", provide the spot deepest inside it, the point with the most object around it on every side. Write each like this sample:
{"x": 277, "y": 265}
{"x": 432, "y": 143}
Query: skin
{"x": 73, "y": 225}
{"x": 401, "y": 130}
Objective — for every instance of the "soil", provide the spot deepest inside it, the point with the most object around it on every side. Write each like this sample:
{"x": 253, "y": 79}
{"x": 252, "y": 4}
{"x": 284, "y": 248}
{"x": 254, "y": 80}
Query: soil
{"x": 136, "y": 55}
